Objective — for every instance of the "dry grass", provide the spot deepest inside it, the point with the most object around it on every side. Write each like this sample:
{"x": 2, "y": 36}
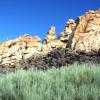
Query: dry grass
{"x": 77, "y": 82}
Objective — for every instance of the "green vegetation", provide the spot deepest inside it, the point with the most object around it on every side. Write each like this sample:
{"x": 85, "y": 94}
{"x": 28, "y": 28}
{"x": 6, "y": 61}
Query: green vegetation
{"x": 76, "y": 82}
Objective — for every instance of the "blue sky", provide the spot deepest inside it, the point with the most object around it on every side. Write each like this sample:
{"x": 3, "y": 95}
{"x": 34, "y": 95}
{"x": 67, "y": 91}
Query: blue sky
{"x": 34, "y": 17}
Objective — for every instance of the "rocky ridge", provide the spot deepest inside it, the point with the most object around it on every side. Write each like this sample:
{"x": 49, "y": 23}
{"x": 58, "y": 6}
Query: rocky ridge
{"x": 79, "y": 39}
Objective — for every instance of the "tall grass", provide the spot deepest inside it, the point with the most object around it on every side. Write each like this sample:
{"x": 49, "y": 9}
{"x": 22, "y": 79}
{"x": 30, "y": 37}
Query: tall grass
{"x": 76, "y": 82}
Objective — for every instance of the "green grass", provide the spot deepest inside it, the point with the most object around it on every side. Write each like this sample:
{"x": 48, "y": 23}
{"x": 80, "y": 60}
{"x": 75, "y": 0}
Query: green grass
{"x": 76, "y": 82}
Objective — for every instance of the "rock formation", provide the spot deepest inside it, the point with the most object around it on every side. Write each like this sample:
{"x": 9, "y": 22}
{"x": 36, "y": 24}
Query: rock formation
{"x": 51, "y": 36}
{"x": 13, "y": 51}
{"x": 64, "y": 36}
{"x": 78, "y": 42}
{"x": 50, "y": 40}
{"x": 87, "y": 34}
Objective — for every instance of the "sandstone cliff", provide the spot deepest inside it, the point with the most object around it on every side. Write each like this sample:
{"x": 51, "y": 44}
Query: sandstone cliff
{"x": 79, "y": 39}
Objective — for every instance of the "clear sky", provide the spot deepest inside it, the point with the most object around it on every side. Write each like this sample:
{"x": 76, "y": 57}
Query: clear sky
{"x": 34, "y": 17}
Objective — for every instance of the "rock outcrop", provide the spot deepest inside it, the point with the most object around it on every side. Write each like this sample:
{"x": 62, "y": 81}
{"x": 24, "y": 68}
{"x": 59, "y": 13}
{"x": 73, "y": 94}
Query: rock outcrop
{"x": 78, "y": 42}
{"x": 65, "y": 35}
{"x": 50, "y": 40}
{"x": 14, "y": 51}
{"x": 51, "y": 36}
{"x": 87, "y": 34}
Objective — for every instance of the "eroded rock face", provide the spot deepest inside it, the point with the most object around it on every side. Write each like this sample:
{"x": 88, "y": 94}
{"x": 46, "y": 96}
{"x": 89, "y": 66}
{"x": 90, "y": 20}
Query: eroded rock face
{"x": 51, "y": 36}
{"x": 14, "y": 51}
{"x": 87, "y": 34}
{"x": 77, "y": 36}
{"x": 50, "y": 40}
{"x": 65, "y": 35}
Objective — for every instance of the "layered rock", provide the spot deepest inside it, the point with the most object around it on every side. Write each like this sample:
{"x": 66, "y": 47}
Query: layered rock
{"x": 14, "y": 51}
{"x": 87, "y": 34}
{"x": 51, "y": 36}
{"x": 64, "y": 36}
{"x": 79, "y": 42}
{"x": 50, "y": 40}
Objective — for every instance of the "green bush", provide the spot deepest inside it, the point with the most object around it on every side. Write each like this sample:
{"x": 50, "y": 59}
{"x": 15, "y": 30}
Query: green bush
{"x": 76, "y": 82}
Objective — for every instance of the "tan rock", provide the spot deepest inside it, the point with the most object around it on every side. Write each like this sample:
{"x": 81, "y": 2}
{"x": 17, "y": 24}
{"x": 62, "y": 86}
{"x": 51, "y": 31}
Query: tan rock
{"x": 87, "y": 33}
{"x": 51, "y": 36}
{"x": 81, "y": 35}
{"x": 65, "y": 35}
